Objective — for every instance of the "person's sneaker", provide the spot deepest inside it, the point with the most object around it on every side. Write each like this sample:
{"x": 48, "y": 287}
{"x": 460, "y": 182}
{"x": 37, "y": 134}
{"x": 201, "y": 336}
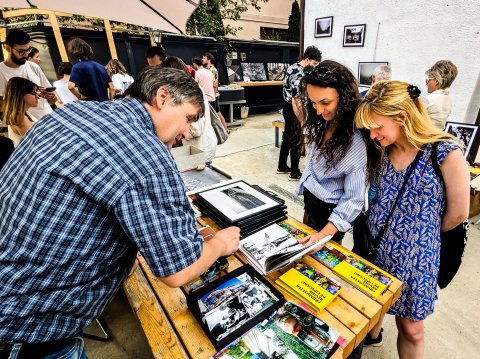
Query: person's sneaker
{"x": 295, "y": 176}
{"x": 284, "y": 170}
{"x": 370, "y": 342}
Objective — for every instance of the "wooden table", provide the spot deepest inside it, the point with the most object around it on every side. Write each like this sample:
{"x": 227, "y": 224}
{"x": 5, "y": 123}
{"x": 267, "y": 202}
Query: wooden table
{"x": 173, "y": 332}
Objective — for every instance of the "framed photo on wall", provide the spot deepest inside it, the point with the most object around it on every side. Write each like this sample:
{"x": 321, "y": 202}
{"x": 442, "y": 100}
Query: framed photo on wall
{"x": 365, "y": 72}
{"x": 323, "y": 26}
{"x": 468, "y": 135}
{"x": 354, "y": 35}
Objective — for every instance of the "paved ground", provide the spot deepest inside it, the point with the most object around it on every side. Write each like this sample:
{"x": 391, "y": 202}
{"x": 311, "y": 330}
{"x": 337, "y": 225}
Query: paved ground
{"x": 451, "y": 332}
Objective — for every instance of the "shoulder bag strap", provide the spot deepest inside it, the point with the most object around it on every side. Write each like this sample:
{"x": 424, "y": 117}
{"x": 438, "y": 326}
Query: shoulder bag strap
{"x": 410, "y": 171}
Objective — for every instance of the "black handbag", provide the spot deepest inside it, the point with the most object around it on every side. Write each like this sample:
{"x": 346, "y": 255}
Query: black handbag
{"x": 453, "y": 241}
{"x": 364, "y": 244}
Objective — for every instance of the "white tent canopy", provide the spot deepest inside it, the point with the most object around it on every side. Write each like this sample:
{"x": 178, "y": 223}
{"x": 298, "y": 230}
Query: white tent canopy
{"x": 165, "y": 15}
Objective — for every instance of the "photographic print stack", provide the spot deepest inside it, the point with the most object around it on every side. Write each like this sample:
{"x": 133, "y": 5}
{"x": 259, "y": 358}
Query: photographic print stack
{"x": 239, "y": 204}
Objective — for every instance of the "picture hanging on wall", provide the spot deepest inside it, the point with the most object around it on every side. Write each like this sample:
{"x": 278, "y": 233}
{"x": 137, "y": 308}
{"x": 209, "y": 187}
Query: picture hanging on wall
{"x": 276, "y": 71}
{"x": 323, "y": 26}
{"x": 234, "y": 73}
{"x": 365, "y": 72}
{"x": 254, "y": 71}
{"x": 468, "y": 136}
{"x": 354, "y": 35}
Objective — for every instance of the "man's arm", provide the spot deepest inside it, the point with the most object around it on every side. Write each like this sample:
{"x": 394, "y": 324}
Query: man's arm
{"x": 73, "y": 89}
{"x": 224, "y": 243}
{"x": 111, "y": 91}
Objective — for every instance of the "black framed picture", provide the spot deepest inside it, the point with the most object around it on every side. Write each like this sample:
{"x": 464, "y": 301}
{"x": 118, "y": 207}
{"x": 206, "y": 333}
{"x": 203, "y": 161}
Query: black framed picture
{"x": 276, "y": 71}
{"x": 468, "y": 135}
{"x": 365, "y": 72}
{"x": 253, "y": 71}
{"x": 354, "y": 35}
{"x": 235, "y": 73}
{"x": 323, "y": 26}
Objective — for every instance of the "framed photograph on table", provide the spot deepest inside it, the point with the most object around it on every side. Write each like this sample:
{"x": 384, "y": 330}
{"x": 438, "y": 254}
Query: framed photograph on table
{"x": 468, "y": 135}
{"x": 323, "y": 26}
{"x": 365, "y": 72}
{"x": 354, "y": 35}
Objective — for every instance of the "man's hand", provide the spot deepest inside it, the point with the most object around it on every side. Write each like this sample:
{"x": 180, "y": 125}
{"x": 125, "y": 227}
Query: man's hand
{"x": 229, "y": 239}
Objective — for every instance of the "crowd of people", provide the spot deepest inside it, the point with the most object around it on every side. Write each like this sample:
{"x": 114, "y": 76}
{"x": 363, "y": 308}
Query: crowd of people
{"x": 92, "y": 182}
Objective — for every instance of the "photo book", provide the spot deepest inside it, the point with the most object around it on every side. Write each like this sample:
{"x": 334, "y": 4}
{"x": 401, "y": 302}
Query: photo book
{"x": 291, "y": 332}
{"x": 364, "y": 276}
{"x": 232, "y": 304}
{"x": 274, "y": 247}
{"x": 309, "y": 286}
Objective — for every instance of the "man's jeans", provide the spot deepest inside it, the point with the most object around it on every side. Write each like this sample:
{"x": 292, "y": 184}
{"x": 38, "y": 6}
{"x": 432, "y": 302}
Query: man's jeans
{"x": 74, "y": 349}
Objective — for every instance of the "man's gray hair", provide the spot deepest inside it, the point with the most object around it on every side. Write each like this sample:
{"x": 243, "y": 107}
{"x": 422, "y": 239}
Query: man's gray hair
{"x": 181, "y": 86}
{"x": 382, "y": 72}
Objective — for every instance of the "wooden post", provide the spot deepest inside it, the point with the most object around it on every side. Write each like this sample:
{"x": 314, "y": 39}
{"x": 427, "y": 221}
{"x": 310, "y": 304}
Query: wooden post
{"x": 3, "y": 36}
{"x": 58, "y": 36}
{"x": 111, "y": 42}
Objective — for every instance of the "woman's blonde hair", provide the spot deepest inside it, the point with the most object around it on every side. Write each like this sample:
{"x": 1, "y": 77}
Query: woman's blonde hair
{"x": 14, "y": 100}
{"x": 391, "y": 98}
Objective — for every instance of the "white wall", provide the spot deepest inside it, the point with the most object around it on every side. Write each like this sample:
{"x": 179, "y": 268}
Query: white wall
{"x": 411, "y": 35}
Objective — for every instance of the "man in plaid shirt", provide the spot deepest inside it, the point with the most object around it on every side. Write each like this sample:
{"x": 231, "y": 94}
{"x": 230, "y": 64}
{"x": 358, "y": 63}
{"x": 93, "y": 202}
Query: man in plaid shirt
{"x": 90, "y": 185}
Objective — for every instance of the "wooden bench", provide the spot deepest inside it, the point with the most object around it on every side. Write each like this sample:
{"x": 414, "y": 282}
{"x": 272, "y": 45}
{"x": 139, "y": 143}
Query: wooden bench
{"x": 173, "y": 332}
{"x": 278, "y": 124}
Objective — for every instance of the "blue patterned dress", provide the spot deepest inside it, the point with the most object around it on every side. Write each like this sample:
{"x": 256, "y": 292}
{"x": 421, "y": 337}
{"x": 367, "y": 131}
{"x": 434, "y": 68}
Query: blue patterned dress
{"x": 410, "y": 247}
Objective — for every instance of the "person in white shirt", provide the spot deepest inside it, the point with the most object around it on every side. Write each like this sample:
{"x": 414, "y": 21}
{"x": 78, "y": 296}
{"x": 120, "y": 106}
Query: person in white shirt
{"x": 205, "y": 79}
{"x": 120, "y": 78}
{"x": 202, "y": 134}
{"x": 17, "y": 45}
{"x": 64, "y": 95}
{"x": 21, "y": 95}
{"x": 438, "y": 103}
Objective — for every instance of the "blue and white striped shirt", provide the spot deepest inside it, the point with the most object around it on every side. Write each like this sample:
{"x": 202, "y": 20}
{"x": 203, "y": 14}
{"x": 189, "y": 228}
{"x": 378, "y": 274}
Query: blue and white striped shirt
{"x": 88, "y": 186}
{"x": 343, "y": 185}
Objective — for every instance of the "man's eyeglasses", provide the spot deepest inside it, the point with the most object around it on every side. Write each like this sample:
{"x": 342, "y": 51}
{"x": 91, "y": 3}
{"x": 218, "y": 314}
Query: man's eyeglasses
{"x": 428, "y": 79}
{"x": 22, "y": 52}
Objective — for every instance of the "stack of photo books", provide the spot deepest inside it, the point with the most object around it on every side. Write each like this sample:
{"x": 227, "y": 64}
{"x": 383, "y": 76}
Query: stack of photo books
{"x": 239, "y": 204}
{"x": 366, "y": 277}
{"x": 275, "y": 247}
{"x": 232, "y": 304}
{"x": 309, "y": 286}
{"x": 291, "y": 332}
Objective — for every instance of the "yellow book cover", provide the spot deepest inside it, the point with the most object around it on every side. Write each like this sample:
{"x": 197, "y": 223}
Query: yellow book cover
{"x": 366, "y": 277}
{"x": 307, "y": 284}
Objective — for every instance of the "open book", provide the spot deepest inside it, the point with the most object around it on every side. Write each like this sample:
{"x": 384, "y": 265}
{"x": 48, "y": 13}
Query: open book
{"x": 273, "y": 248}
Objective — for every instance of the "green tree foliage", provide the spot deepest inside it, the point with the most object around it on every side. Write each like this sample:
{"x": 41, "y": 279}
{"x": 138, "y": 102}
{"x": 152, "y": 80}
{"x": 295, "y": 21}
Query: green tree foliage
{"x": 207, "y": 19}
{"x": 294, "y": 23}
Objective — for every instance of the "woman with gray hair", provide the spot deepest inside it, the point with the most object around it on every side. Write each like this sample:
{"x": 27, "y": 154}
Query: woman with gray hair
{"x": 438, "y": 103}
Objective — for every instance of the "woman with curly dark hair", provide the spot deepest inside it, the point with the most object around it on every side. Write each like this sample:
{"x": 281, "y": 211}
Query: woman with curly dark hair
{"x": 335, "y": 178}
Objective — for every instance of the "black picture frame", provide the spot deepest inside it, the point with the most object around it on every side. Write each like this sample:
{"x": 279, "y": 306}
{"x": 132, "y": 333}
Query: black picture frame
{"x": 227, "y": 337}
{"x": 323, "y": 26}
{"x": 469, "y": 136}
{"x": 365, "y": 71}
{"x": 354, "y": 35}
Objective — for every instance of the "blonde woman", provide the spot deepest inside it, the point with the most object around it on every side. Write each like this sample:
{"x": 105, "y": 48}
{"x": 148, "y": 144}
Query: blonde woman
{"x": 438, "y": 103}
{"x": 410, "y": 246}
{"x": 20, "y": 95}
{"x": 120, "y": 78}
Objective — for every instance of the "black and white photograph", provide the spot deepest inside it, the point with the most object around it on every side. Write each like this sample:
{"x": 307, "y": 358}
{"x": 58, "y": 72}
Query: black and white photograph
{"x": 467, "y": 134}
{"x": 226, "y": 317}
{"x": 235, "y": 73}
{"x": 237, "y": 200}
{"x": 276, "y": 71}
{"x": 254, "y": 71}
{"x": 323, "y": 26}
{"x": 269, "y": 241}
{"x": 354, "y": 35}
{"x": 365, "y": 72}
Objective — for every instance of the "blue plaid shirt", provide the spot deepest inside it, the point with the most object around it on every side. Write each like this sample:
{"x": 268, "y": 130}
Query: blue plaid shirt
{"x": 88, "y": 186}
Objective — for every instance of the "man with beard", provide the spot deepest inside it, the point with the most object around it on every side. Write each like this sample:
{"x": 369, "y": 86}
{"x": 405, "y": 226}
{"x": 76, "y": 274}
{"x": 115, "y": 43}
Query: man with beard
{"x": 18, "y": 47}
